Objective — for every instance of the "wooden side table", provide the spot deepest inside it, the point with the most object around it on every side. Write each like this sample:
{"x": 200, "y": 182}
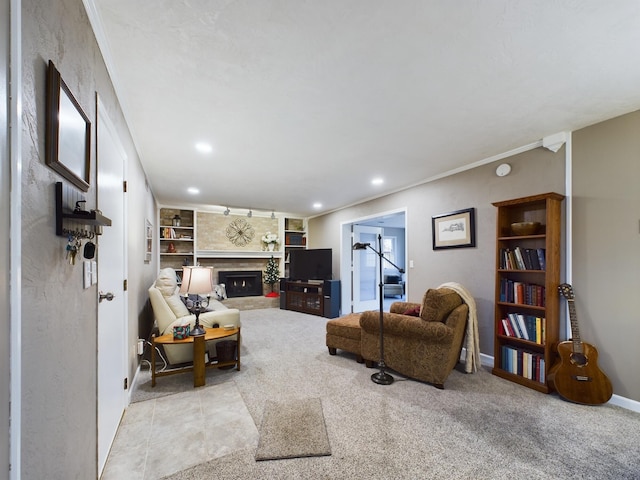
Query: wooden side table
{"x": 199, "y": 366}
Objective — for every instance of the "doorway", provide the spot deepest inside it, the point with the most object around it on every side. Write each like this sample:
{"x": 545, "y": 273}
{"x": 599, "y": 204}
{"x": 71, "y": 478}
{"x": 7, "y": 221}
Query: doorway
{"x": 360, "y": 269}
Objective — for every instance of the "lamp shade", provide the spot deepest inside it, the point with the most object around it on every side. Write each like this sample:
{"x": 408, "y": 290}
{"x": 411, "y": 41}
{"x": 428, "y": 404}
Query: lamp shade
{"x": 196, "y": 280}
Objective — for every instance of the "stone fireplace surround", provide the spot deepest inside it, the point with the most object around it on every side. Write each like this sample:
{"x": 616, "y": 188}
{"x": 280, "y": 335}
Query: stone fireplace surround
{"x": 243, "y": 264}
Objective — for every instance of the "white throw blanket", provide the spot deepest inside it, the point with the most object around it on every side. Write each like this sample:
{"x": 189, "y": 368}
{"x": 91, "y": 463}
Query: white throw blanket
{"x": 472, "y": 339}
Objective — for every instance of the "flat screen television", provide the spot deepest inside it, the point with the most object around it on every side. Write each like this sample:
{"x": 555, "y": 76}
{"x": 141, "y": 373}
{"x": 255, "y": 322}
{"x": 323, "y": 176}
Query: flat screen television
{"x": 311, "y": 264}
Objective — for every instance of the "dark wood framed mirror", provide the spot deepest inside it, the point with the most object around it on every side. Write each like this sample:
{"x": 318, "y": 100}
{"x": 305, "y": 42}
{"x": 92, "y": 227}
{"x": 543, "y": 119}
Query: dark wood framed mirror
{"x": 68, "y": 132}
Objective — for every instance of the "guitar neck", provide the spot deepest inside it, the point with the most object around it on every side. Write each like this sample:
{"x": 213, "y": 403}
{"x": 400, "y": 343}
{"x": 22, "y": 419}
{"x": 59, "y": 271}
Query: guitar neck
{"x": 575, "y": 330}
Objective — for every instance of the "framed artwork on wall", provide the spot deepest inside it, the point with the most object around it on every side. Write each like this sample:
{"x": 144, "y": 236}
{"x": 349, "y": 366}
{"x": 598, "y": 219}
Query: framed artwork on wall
{"x": 68, "y": 132}
{"x": 148, "y": 238}
{"x": 454, "y": 230}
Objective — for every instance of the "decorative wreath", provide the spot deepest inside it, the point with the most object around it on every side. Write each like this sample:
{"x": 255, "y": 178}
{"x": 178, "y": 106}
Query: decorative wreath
{"x": 240, "y": 232}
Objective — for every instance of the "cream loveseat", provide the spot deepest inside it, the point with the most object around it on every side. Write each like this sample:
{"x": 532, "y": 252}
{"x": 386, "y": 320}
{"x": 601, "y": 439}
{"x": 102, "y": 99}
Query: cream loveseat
{"x": 169, "y": 311}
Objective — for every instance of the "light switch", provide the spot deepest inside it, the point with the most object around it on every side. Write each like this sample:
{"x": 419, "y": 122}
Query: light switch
{"x": 410, "y": 263}
{"x": 86, "y": 271}
{"x": 94, "y": 272}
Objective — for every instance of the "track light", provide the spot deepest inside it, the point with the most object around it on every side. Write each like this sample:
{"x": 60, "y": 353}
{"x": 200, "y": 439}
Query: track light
{"x": 250, "y": 214}
{"x": 226, "y": 212}
{"x": 273, "y": 215}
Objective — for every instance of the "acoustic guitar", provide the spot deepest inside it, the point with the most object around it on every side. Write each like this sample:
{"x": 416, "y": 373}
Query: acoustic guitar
{"x": 576, "y": 375}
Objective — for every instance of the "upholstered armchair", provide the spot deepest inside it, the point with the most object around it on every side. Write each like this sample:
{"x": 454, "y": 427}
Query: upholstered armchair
{"x": 169, "y": 311}
{"x": 421, "y": 341}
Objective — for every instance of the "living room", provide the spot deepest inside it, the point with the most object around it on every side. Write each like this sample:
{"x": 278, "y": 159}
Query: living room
{"x": 596, "y": 168}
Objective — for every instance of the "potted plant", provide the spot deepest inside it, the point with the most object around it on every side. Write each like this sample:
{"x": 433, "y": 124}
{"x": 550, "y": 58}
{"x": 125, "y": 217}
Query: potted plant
{"x": 269, "y": 241}
{"x": 271, "y": 275}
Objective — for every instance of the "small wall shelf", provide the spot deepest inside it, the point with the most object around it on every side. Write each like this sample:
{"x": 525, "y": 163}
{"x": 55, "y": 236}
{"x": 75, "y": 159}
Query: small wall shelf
{"x": 70, "y": 222}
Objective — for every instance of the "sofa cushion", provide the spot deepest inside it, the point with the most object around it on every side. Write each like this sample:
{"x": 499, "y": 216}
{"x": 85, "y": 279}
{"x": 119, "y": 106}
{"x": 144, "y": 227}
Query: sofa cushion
{"x": 176, "y": 305}
{"x": 437, "y": 304}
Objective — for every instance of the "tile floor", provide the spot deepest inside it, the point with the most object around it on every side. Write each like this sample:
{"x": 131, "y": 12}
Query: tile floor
{"x": 168, "y": 434}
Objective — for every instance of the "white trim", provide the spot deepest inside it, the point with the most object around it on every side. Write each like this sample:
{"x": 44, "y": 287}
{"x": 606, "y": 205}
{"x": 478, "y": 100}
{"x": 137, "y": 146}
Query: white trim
{"x": 624, "y": 402}
{"x": 134, "y": 383}
{"x": 568, "y": 189}
{"x": 15, "y": 296}
{"x": 346, "y": 263}
{"x": 237, "y": 254}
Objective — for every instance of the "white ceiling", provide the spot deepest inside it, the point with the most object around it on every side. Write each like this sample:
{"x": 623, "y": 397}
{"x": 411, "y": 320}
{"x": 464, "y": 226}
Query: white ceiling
{"x": 306, "y": 101}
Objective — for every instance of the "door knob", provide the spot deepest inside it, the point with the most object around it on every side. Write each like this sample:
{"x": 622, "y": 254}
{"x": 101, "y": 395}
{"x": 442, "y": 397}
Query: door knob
{"x": 108, "y": 296}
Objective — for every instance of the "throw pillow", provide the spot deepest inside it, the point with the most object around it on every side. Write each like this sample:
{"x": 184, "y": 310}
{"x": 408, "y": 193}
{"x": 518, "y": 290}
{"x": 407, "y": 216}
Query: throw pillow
{"x": 220, "y": 292}
{"x": 414, "y": 312}
{"x": 437, "y": 304}
{"x": 167, "y": 282}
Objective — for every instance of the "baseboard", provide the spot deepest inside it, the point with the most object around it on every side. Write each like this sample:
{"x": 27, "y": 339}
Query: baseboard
{"x": 625, "y": 403}
{"x": 485, "y": 360}
{"x": 617, "y": 400}
{"x": 134, "y": 383}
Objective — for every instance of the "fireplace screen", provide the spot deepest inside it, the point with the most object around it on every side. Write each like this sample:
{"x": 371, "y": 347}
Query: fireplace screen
{"x": 242, "y": 283}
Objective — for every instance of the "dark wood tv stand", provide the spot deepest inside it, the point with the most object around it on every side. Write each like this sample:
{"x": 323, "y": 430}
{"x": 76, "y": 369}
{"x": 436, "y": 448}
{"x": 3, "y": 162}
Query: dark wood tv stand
{"x": 314, "y": 297}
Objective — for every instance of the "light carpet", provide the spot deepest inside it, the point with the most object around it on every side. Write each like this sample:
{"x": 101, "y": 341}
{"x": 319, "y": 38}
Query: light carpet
{"x": 292, "y": 429}
{"x": 480, "y": 426}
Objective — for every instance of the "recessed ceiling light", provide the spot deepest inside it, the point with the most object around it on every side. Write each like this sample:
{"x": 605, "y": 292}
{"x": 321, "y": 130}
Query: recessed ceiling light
{"x": 204, "y": 147}
{"x": 317, "y": 205}
{"x": 377, "y": 181}
{"x": 193, "y": 190}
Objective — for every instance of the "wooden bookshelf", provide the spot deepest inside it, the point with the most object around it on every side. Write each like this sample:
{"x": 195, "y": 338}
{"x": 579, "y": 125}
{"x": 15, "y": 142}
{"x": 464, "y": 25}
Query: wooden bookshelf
{"x": 177, "y": 238}
{"x": 526, "y": 290}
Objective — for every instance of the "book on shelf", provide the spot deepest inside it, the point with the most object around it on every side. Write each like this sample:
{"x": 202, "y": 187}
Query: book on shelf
{"x": 542, "y": 258}
{"x": 168, "y": 232}
{"x": 527, "y": 364}
{"x": 512, "y": 291}
{"x": 526, "y": 327}
{"x": 519, "y": 258}
{"x": 531, "y": 255}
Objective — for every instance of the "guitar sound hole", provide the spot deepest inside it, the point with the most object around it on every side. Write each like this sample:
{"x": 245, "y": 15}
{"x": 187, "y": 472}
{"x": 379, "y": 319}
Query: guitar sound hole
{"x": 579, "y": 359}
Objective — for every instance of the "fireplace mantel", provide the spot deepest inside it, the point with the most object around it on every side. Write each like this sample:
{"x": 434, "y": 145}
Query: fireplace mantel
{"x": 237, "y": 254}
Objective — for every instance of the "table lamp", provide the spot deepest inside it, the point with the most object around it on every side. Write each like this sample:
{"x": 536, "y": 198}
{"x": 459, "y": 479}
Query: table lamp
{"x": 197, "y": 281}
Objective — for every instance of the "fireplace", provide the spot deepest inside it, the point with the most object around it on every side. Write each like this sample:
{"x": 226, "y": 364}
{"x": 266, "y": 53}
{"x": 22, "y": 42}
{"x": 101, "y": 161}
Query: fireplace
{"x": 241, "y": 283}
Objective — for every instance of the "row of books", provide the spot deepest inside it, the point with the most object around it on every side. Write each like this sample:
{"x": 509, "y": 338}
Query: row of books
{"x": 521, "y": 362}
{"x": 167, "y": 232}
{"x": 522, "y": 293}
{"x": 522, "y": 258}
{"x": 527, "y": 327}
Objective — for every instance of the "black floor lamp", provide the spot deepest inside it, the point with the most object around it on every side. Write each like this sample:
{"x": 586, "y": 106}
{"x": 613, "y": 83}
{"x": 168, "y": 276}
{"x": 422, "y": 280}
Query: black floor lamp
{"x": 382, "y": 377}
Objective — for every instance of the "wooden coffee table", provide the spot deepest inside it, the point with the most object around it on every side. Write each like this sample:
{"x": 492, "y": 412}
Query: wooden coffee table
{"x": 199, "y": 366}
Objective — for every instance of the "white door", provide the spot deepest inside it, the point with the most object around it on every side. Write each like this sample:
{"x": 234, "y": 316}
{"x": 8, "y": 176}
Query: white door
{"x": 366, "y": 271}
{"x": 112, "y": 314}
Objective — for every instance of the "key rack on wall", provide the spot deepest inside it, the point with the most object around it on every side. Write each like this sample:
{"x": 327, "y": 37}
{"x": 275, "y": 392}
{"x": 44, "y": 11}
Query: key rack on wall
{"x": 71, "y": 221}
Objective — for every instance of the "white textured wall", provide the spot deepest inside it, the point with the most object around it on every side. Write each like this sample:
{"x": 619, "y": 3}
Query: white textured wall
{"x": 533, "y": 172}
{"x": 60, "y": 319}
